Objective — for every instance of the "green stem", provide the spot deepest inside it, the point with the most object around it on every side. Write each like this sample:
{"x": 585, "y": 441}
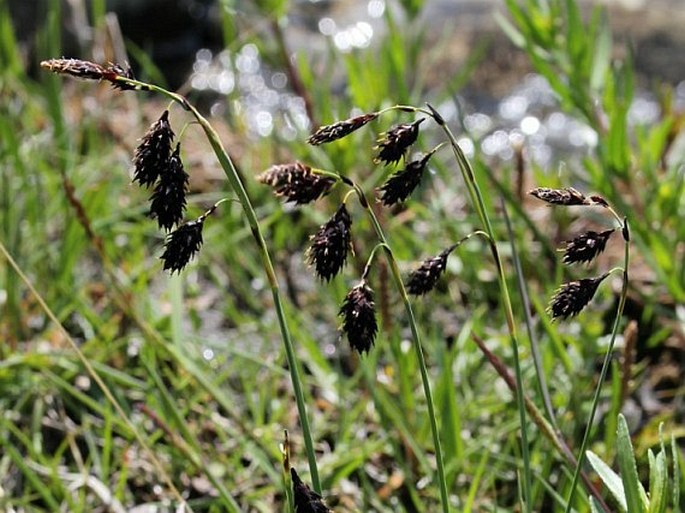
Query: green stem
{"x": 479, "y": 205}
{"x": 239, "y": 189}
{"x": 444, "y": 499}
{"x": 605, "y": 365}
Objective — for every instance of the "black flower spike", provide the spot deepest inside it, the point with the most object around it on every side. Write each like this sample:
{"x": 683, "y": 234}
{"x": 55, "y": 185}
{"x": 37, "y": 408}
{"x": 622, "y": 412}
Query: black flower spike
{"x": 306, "y": 500}
{"x": 182, "y": 244}
{"x": 586, "y": 247}
{"x": 329, "y": 133}
{"x": 393, "y": 144}
{"x": 296, "y": 182}
{"x": 151, "y": 158}
{"x": 168, "y": 201}
{"x": 424, "y": 279}
{"x": 573, "y": 296}
{"x": 330, "y": 245}
{"x": 402, "y": 183}
{"x": 359, "y": 317}
{"x": 567, "y": 196}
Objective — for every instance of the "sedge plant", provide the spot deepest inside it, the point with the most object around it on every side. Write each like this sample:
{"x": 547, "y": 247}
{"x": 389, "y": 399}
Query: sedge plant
{"x": 159, "y": 166}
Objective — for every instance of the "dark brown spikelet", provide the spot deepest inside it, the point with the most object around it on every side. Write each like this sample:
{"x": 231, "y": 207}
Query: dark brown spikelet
{"x": 151, "y": 158}
{"x": 586, "y": 247}
{"x": 306, "y": 500}
{"x": 573, "y": 296}
{"x": 567, "y": 196}
{"x": 296, "y": 182}
{"x": 393, "y": 144}
{"x": 76, "y": 68}
{"x": 402, "y": 183}
{"x": 331, "y": 244}
{"x": 359, "y": 317}
{"x": 329, "y": 133}
{"x": 424, "y": 279}
{"x": 91, "y": 71}
{"x": 168, "y": 201}
{"x": 182, "y": 244}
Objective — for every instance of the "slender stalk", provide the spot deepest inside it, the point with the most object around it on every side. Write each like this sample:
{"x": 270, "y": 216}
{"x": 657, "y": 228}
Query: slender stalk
{"x": 546, "y": 427}
{"x": 238, "y": 187}
{"x": 605, "y": 365}
{"x": 479, "y": 205}
{"x": 444, "y": 499}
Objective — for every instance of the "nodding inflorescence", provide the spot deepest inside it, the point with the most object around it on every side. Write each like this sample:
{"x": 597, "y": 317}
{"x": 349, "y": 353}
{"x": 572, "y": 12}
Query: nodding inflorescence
{"x": 423, "y": 279}
{"x": 403, "y": 183}
{"x": 359, "y": 317}
{"x": 182, "y": 244}
{"x": 340, "y": 129}
{"x": 296, "y": 182}
{"x": 573, "y": 296}
{"x": 168, "y": 201}
{"x": 586, "y": 247}
{"x": 392, "y": 145}
{"x": 87, "y": 70}
{"x": 305, "y": 499}
{"x": 330, "y": 245}
{"x": 151, "y": 158}
{"x": 567, "y": 196}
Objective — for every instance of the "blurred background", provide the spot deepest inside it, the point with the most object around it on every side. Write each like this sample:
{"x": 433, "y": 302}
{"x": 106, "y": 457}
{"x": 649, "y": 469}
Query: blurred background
{"x": 196, "y": 360}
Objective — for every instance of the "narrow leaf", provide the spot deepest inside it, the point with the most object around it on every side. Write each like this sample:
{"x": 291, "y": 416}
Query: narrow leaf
{"x": 610, "y": 478}
{"x": 626, "y": 463}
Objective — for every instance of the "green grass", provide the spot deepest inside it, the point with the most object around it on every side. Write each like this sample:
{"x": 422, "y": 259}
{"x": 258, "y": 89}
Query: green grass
{"x": 215, "y": 427}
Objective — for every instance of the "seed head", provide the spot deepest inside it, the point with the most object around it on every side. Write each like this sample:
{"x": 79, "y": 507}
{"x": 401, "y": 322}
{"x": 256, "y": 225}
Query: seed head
{"x": 329, "y": 133}
{"x": 306, "y": 500}
{"x": 168, "y": 201}
{"x": 182, "y": 244}
{"x": 359, "y": 317}
{"x": 330, "y": 245}
{"x": 151, "y": 158}
{"x": 573, "y": 296}
{"x": 402, "y": 183}
{"x": 393, "y": 144}
{"x": 424, "y": 279}
{"x": 75, "y": 67}
{"x": 296, "y": 182}
{"x": 586, "y": 247}
{"x": 567, "y": 196}
{"x": 90, "y": 71}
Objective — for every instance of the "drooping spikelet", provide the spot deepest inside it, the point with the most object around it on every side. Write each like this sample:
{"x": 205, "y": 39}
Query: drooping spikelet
{"x": 182, "y": 244}
{"x": 331, "y": 244}
{"x": 340, "y": 129}
{"x": 402, "y": 183}
{"x": 573, "y": 296}
{"x": 152, "y": 155}
{"x": 566, "y": 196}
{"x": 306, "y": 500}
{"x": 424, "y": 279}
{"x": 359, "y": 317}
{"x": 76, "y": 68}
{"x": 393, "y": 144}
{"x": 296, "y": 182}
{"x": 91, "y": 71}
{"x": 586, "y": 247}
{"x": 168, "y": 201}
